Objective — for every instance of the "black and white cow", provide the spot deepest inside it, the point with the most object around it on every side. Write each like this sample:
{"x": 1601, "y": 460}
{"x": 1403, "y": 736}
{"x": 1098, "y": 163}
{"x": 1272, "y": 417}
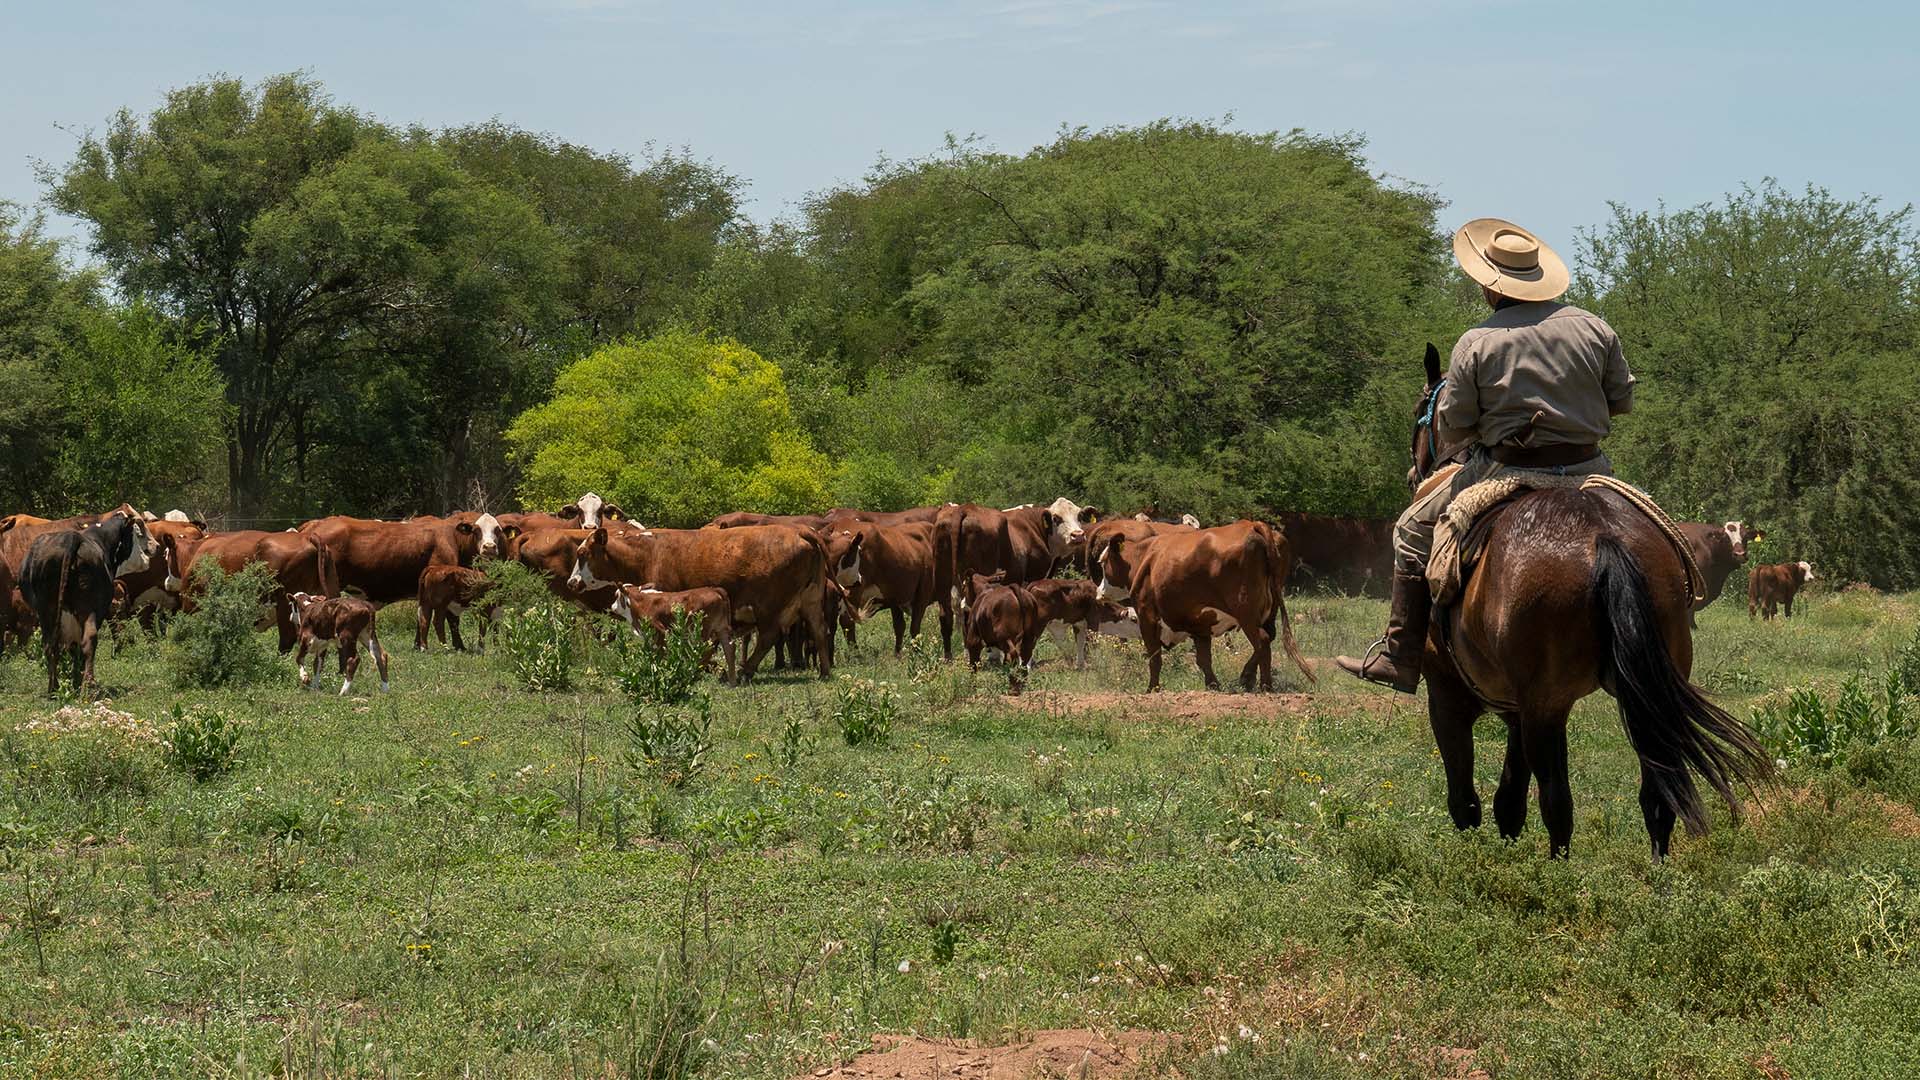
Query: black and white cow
{"x": 67, "y": 579}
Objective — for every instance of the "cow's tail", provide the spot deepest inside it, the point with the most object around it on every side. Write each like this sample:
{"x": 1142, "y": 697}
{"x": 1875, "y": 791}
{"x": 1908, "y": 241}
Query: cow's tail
{"x": 60, "y": 591}
{"x": 329, "y": 571}
{"x": 1674, "y": 729}
{"x": 1279, "y": 563}
{"x": 947, "y": 530}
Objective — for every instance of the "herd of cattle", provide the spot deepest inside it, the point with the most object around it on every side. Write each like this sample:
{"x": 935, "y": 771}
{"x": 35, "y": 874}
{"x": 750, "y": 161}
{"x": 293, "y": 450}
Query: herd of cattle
{"x": 781, "y": 583}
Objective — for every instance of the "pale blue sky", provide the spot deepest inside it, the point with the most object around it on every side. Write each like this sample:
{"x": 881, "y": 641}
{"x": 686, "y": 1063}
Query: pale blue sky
{"x": 1542, "y": 112}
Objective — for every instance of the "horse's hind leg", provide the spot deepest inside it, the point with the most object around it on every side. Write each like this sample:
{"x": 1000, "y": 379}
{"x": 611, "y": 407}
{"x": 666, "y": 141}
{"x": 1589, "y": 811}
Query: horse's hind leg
{"x": 1451, "y": 710}
{"x": 1510, "y": 799}
{"x": 1658, "y": 814}
{"x": 1545, "y": 741}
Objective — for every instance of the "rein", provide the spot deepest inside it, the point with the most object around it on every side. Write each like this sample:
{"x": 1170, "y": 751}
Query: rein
{"x": 1426, "y": 420}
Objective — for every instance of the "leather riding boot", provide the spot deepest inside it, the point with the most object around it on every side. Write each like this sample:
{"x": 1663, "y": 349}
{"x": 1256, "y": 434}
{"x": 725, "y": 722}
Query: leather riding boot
{"x": 1394, "y": 660}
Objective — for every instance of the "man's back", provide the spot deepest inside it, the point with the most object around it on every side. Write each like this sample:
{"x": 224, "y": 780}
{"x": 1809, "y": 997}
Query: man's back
{"x": 1539, "y": 373}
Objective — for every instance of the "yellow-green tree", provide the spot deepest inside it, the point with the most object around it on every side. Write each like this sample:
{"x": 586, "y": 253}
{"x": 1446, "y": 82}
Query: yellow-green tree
{"x": 676, "y": 428}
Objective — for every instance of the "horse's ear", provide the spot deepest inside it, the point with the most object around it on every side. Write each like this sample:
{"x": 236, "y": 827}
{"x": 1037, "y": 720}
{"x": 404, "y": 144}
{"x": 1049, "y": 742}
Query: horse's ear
{"x": 1433, "y": 364}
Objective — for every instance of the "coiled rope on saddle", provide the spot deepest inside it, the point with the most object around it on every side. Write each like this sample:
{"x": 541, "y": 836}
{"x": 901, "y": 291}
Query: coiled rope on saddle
{"x": 1446, "y": 569}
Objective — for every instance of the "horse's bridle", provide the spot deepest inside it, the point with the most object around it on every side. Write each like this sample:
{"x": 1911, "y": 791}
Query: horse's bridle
{"x": 1426, "y": 420}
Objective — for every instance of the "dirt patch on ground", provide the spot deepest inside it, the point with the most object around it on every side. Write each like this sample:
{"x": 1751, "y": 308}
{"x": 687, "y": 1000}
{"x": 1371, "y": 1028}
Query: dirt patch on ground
{"x": 1192, "y": 706}
{"x": 1076, "y": 1054}
{"x": 1899, "y": 819}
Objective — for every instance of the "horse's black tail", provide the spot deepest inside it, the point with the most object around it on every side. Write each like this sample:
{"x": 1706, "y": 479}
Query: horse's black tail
{"x": 1674, "y": 729}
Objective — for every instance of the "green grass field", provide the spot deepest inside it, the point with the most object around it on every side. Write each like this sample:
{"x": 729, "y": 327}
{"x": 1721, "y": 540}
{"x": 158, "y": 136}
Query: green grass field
{"x": 461, "y": 878}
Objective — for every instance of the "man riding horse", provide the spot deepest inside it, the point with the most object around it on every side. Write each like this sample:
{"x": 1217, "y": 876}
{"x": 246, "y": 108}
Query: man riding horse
{"x": 1535, "y": 385}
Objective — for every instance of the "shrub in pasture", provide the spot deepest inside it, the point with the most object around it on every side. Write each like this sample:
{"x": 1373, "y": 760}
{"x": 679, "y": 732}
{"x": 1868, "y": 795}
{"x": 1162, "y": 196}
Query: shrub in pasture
{"x": 540, "y": 644}
{"x": 515, "y": 586}
{"x": 203, "y": 743}
{"x": 865, "y": 711}
{"x": 217, "y": 644}
{"x": 88, "y": 751}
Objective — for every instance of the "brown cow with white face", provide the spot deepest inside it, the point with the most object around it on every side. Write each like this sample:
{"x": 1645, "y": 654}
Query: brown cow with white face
{"x": 151, "y": 594}
{"x": 345, "y": 620}
{"x": 1204, "y": 582}
{"x": 550, "y": 553}
{"x": 647, "y": 609}
{"x": 1718, "y": 550}
{"x": 887, "y": 567}
{"x": 1022, "y": 542}
{"x": 590, "y": 511}
{"x": 1770, "y": 587}
{"x": 775, "y": 576}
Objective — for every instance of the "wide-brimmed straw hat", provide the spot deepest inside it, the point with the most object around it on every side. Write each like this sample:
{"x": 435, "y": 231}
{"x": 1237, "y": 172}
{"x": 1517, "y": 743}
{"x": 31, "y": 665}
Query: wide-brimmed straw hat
{"x": 1509, "y": 260}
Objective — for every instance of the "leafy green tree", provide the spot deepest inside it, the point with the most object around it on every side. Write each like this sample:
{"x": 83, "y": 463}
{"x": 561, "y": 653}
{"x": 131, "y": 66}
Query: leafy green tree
{"x": 1174, "y": 313}
{"x": 1776, "y": 337}
{"x": 463, "y": 281}
{"x": 177, "y": 202}
{"x": 676, "y": 428}
{"x": 44, "y": 310}
{"x": 636, "y": 238}
{"x": 145, "y": 412}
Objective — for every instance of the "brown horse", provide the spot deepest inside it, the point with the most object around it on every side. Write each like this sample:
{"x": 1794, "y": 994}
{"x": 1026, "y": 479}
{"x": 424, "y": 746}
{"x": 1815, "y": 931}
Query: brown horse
{"x": 1576, "y": 591}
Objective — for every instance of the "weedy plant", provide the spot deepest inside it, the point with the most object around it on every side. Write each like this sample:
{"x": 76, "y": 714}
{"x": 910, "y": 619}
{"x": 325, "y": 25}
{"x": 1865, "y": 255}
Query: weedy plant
{"x": 669, "y": 730}
{"x": 865, "y": 711}
{"x": 216, "y": 645}
{"x": 1807, "y": 728}
{"x": 203, "y": 743}
{"x": 664, "y": 670}
{"x": 540, "y": 645}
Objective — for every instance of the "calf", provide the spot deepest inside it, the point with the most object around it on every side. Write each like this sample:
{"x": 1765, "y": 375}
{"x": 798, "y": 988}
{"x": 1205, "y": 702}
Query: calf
{"x": 67, "y": 578}
{"x": 1000, "y": 616}
{"x": 1071, "y": 605}
{"x": 343, "y": 619}
{"x": 638, "y": 605}
{"x": 1204, "y": 582}
{"x": 1769, "y": 587}
{"x": 445, "y": 593}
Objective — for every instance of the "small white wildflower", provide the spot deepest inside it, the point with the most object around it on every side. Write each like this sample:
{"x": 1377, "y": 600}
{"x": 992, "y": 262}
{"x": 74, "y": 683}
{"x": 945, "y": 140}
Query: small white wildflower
{"x": 906, "y": 966}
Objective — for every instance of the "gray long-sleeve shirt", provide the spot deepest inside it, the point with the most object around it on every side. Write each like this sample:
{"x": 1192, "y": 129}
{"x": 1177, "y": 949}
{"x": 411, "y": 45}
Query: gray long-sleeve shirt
{"x": 1547, "y": 359}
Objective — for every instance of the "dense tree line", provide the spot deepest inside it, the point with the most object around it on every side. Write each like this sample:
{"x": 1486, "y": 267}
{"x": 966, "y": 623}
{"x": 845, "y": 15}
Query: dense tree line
{"x": 298, "y": 307}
